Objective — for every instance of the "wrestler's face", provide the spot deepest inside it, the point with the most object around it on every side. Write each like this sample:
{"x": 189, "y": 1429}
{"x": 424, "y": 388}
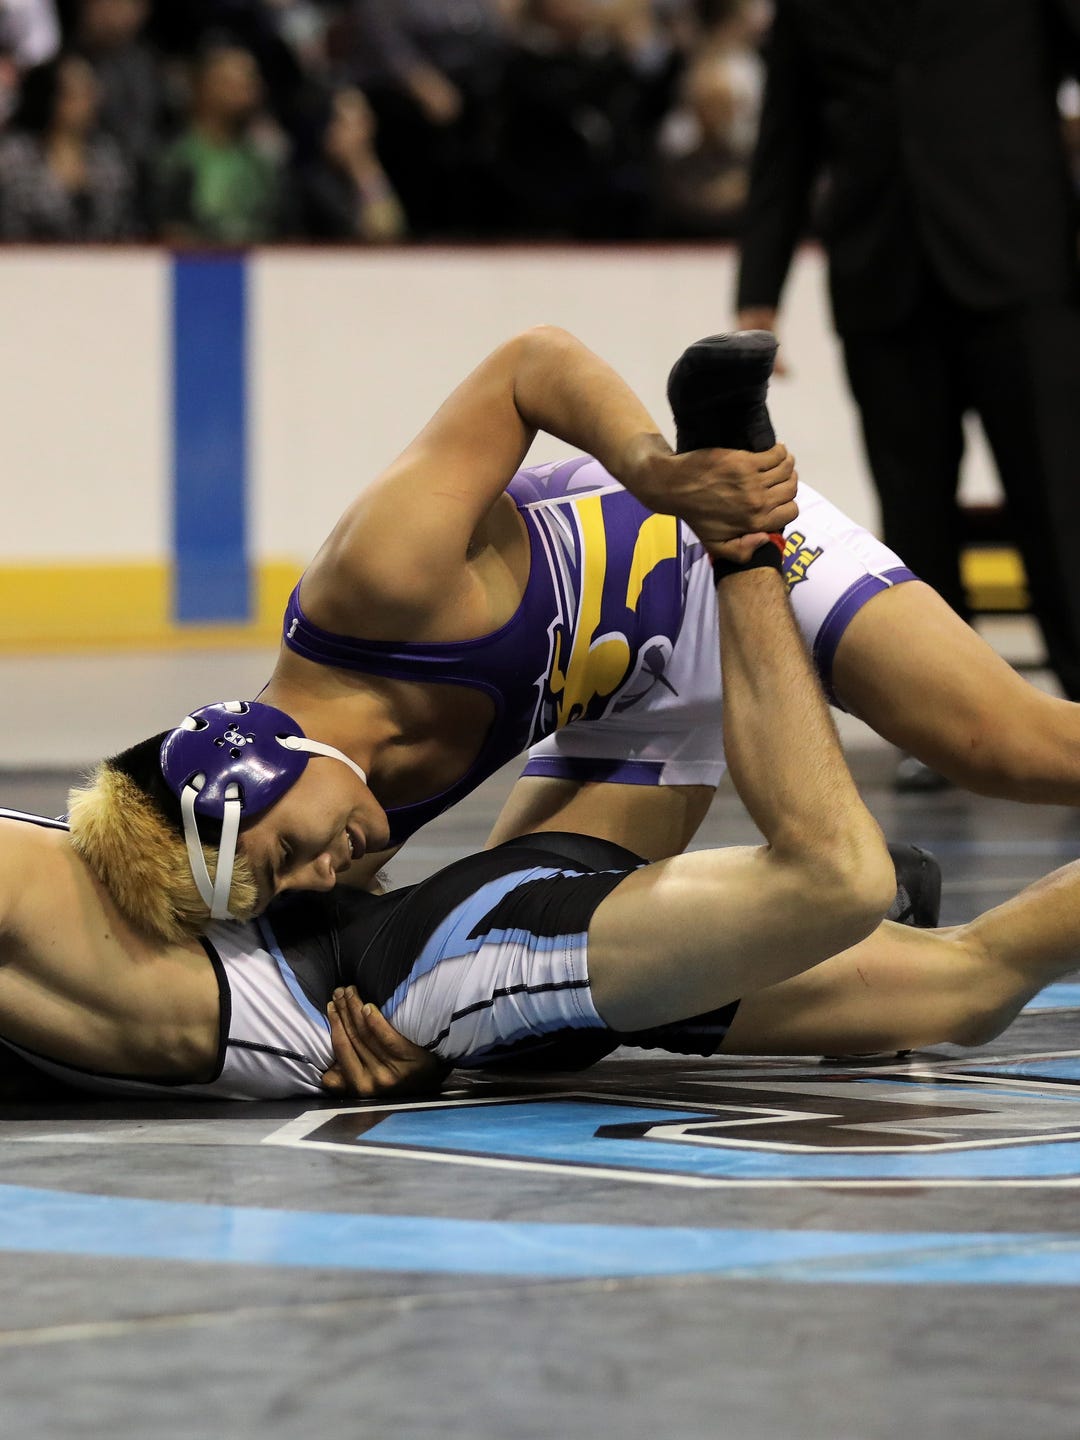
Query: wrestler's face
{"x": 318, "y": 828}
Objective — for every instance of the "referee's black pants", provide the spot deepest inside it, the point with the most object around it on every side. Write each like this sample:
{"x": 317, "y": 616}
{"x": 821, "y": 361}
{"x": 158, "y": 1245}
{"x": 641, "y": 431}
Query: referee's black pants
{"x": 1019, "y": 371}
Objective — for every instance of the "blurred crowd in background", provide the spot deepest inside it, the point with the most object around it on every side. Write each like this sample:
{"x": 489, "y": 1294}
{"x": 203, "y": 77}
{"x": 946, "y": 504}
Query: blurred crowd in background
{"x": 238, "y": 122}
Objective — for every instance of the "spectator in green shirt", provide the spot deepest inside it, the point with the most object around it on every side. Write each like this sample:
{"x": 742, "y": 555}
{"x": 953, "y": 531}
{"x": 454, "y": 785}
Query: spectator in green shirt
{"x": 217, "y": 184}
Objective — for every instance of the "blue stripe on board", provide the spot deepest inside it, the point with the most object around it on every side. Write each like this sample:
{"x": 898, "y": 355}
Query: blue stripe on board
{"x": 59, "y": 1222}
{"x": 209, "y": 439}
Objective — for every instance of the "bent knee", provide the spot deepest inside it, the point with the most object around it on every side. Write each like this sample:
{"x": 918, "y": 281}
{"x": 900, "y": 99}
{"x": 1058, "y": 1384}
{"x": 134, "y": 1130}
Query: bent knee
{"x": 858, "y": 875}
{"x": 844, "y": 891}
{"x": 857, "y": 886}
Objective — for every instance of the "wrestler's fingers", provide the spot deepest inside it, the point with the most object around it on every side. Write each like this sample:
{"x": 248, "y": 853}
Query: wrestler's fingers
{"x": 389, "y": 1044}
{"x": 781, "y": 483}
{"x": 774, "y": 458}
{"x": 355, "y": 1018}
{"x": 739, "y": 550}
{"x": 348, "y": 1021}
{"x": 351, "y": 1065}
{"x": 391, "y": 1060}
{"x": 778, "y": 474}
{"x": 781, "y": 516}
{"x": 382, "y": 1069}
{"x": 345, "y": 1056}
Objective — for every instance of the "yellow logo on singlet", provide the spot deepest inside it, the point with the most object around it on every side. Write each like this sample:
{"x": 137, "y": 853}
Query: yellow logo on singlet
{"x": 798, "y": 557}
{"x": 600, "y": 658}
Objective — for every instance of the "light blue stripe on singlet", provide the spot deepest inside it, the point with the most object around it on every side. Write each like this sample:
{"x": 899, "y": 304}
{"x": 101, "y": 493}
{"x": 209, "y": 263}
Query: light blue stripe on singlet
{"x": 209, "y": 438}
{"x": 464, "y": 919}
{"x": 533, "y": 1027}
{"x": 286, "y": 971}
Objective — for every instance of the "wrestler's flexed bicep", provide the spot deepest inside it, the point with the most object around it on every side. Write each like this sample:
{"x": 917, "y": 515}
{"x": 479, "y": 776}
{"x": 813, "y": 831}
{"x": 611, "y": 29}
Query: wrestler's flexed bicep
{"x": 403, "y": 542}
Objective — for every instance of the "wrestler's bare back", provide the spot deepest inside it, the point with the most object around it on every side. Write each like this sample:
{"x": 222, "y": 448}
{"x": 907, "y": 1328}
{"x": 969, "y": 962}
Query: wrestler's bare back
{"x": 78, "y": 985}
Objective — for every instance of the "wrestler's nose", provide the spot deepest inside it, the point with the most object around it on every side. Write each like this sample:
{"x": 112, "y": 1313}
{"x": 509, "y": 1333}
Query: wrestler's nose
{"x": 320, "y": 874}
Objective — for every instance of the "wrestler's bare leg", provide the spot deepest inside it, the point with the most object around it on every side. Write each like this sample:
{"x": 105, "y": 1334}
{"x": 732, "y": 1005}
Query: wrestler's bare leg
{"x": 905, "y": 988}
{"x": 910, "y": 667}
{"x": 689, "y": 933}
{"x": 654, "y": 821}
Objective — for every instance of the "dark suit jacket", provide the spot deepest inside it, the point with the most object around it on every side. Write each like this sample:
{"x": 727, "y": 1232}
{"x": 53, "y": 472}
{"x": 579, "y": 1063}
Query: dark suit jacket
{"x": 929, "y": 131}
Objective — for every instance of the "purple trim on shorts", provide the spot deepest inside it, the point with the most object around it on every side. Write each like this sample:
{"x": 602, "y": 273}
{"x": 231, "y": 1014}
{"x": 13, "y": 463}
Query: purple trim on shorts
{"x": 841, "y": 615}
{"x": 584, "y": 768}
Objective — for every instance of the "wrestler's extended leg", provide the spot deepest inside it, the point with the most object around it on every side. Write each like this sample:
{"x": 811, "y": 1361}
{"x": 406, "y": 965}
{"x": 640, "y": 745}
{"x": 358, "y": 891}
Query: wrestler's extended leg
{"x": 693, "y": 932}
{"x": 905, "y": 988}
{"x": 920, "y": 677}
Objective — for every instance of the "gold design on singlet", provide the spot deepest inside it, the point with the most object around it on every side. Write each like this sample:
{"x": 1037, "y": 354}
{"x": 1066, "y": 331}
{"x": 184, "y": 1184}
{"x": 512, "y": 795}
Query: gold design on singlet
{"x": 798, "y": 557}
{"x": 599, "y": 660}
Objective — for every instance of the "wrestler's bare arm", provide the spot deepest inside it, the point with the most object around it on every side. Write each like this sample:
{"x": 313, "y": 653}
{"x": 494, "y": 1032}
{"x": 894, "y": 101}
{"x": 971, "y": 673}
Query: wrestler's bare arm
{"x": 404, "y": 542}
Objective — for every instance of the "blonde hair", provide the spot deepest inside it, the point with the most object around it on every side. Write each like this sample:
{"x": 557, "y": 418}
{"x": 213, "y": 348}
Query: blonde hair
{"x": 142, "y": 860}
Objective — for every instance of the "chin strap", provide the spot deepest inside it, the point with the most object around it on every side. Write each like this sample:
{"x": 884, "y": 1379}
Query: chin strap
{"x": 215, "y": 893}
{"x": 316, "y": 747}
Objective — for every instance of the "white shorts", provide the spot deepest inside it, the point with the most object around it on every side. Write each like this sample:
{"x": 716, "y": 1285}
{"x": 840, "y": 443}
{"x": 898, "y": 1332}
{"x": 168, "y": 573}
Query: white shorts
{"x": 673, "y": 734}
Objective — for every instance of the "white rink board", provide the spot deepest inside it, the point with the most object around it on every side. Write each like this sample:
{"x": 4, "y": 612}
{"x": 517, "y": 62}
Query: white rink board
{"x": 348, "y": 354}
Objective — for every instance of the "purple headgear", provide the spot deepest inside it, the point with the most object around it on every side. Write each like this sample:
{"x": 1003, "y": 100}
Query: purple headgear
{"x": 231, "y": 761}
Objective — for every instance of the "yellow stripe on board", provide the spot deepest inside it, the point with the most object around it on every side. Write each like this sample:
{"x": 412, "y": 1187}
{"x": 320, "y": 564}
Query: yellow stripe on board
{"x": 994, "y": 578}
{"x": 125, "y": 606}
{"x": 128, "y": 606}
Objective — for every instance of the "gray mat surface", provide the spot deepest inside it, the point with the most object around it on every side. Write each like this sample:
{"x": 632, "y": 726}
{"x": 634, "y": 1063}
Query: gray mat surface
{"x": 549, "y": 1259}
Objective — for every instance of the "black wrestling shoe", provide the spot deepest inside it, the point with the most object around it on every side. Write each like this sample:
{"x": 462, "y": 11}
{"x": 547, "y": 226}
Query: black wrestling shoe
{"x": 717, "y": 389}
{"x": 917, "y": 902}
{"x": 918, "y": 887}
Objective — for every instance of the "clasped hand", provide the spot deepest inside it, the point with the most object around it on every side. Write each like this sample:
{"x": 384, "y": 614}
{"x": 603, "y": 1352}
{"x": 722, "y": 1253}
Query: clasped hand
{"x": 371, "y": 1058}
{"x": 721, "y": 494}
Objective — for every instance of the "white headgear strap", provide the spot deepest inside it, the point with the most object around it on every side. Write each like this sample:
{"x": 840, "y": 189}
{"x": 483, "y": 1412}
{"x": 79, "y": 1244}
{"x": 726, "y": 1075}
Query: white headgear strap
{"x": 215, "y": 893}
{"x": 316, "y": 747}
